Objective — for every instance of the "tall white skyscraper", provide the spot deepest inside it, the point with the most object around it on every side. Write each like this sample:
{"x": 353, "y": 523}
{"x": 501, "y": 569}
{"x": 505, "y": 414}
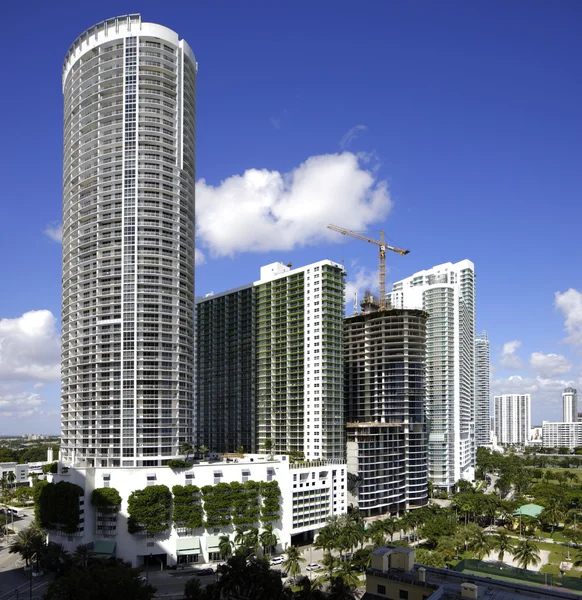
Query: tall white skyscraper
{"x": 128, "y": 245}
{"x": 447, "y": 293}
{"x": 512, "y": 418}
{"x": 570, "y": 405}
{"x": 482, "y": 392}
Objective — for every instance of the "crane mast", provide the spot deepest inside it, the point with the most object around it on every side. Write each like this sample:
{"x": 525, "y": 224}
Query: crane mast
{"x": 382, "y": 247}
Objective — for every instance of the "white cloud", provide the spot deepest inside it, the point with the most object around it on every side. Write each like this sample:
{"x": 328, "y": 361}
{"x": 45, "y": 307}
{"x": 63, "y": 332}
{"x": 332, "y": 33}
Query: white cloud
{"x": 275, "y": 122}
{"x": 20, "y": 405}
{"x": 263, "y": 210}
{"x": 570, "y": 303}
{"x": 55, "y": 232}
{"x": 199, "y": 257}
{"x": 509, "y": 359}
{"x": 545, "y": 391}
{"x": 549, "y": 365}
{"x": 351, "y": 135}
{"x": 30, "y": 347}
{"x": 359, "y": 281}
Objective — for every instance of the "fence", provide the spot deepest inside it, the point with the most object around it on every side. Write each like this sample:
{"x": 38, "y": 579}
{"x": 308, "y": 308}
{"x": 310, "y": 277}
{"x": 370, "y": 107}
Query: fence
{"x": 503, "y": 570}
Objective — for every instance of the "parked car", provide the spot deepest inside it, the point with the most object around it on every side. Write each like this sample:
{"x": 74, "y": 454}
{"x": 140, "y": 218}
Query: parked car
{"x": 206, "y": 571}
{"x": 277, "y": 560}
{"x": 313, "y": 567}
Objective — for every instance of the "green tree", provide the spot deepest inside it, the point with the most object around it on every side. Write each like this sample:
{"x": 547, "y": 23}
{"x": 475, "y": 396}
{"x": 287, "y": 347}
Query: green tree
{"x": 292, "y": 562}
{"x": 82, "y": 556}
{"x": 526, "y": 553}
{"x": 268, "y": 539}
{"x": 502, "y": 543}
{"x": 186, "y": 450}
{"x": 113, "y": 580}
{"x": 225, "y": 546}
{"x": 340, "y": 589}
{"x": 149, "y": 509}
{"x": 29, "y": 543}
{"x": 480, "y": 545}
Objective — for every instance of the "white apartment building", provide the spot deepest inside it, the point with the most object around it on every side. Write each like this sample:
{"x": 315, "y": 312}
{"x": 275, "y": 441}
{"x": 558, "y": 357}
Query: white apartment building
{"x": 561, "y": 435}
{"x": 128, "y": 245}
{"x": 512, "y": 418}
{"x": 311, "y": 493}
{"x": 482, "y": 391}
{"x": 447, "y": 293}
{"x": 570, "y": 405}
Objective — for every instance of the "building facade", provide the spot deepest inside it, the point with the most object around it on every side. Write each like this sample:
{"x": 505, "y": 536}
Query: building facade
{"x": 309, "y": 496}
{"x": 512, "y": 419}
{"x": 447, "y": 293}
{"x": 225, "y": 371}
{"x": 570, "y": 405}
{"x": 385, "y": 355}
{"x": 291, "y": 399}
{"x": 561, "y": 435}
{"x": 482, "y": 391}
{"x": 128, "y": 245}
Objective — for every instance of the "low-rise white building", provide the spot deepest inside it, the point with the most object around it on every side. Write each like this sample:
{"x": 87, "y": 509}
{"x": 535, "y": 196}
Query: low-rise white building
{"x": 20, "y": 473}
{"x": 561, "y": 435}
{"x": 311, "y": 493}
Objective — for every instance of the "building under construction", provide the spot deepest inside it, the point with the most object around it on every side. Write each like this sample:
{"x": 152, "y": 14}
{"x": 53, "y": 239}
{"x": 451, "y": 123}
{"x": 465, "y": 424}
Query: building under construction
{"x": 385, "y": 354}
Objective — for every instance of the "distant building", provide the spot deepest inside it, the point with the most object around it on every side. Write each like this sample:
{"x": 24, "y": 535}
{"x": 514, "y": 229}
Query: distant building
{"x": 385, "y": 355}
{"x": 570, "y": 405}
{"x": 482, "y": 392}
{"x": 447, "y": 293}
{"x": 561, "y": 435}
{"x": 512, "y": 418}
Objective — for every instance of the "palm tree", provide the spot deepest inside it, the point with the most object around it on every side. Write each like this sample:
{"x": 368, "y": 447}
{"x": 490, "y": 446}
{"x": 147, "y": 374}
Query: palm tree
{"x": 268, "y": 539}
{"x": 309, "y": 590}
{"x": 390, "y": 526}
{"x": 224, "y": 546}
{"x": 553, "y": 516}
{"x": 251, "y": 539}
{"x": 56, "y": 557}
{"x": 526, "y": 553}
{"x": 203, "y": 450}
{"x": 502, "y": 543}
{"x": 480, "y": 545}
{"x": 82, "y": 555}
{"x": 11, "y": 478}
{"x": 239, "y": 536}
{"x": 292, "y": 563}
{"x": 340, "y": 590}
{"x": 186, "y": 449}
{"x": 376, "y": 531}
{"x": 22, "y": 544}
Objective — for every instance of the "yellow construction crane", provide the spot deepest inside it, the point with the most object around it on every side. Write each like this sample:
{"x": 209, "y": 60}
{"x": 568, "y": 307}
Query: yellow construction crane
{"x": 382, "y": 256}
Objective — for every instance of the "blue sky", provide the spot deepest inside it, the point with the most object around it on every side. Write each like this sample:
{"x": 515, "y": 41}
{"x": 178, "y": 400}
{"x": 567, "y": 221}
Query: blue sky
{"x": 454, "y": 126}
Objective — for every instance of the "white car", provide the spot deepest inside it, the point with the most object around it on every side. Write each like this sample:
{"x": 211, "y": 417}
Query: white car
{"x": 313, "y": 567}
{"x": 277, "y": 560}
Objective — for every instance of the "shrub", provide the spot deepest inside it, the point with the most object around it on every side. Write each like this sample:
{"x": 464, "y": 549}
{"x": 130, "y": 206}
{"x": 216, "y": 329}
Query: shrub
{"x": 149, "y": 509}
{"x": 107, "y": 500}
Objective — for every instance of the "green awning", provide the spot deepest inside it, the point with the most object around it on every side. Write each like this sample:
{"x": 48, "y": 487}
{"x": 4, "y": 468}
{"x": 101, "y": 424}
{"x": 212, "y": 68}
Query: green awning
{"x": 103, "y": 549}
{"x": 529, "y": 510}
{"x": 187, "y": 546}
{"x": 213, "y": 542}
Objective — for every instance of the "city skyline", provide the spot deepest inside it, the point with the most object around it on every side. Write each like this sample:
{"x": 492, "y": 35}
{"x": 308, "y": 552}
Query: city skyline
{"x": 422, "y": 123}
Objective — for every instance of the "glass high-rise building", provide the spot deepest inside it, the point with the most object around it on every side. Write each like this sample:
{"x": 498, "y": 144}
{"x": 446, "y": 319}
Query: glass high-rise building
{"x": 482, "y": 391}
{"x": 128, "y": 245}
{"x": 447, "y": 293}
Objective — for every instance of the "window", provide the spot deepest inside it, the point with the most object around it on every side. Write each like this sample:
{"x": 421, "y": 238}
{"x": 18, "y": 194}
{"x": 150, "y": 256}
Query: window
{"x": 403, "y": 594}
{"x": 381, "y": 589}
